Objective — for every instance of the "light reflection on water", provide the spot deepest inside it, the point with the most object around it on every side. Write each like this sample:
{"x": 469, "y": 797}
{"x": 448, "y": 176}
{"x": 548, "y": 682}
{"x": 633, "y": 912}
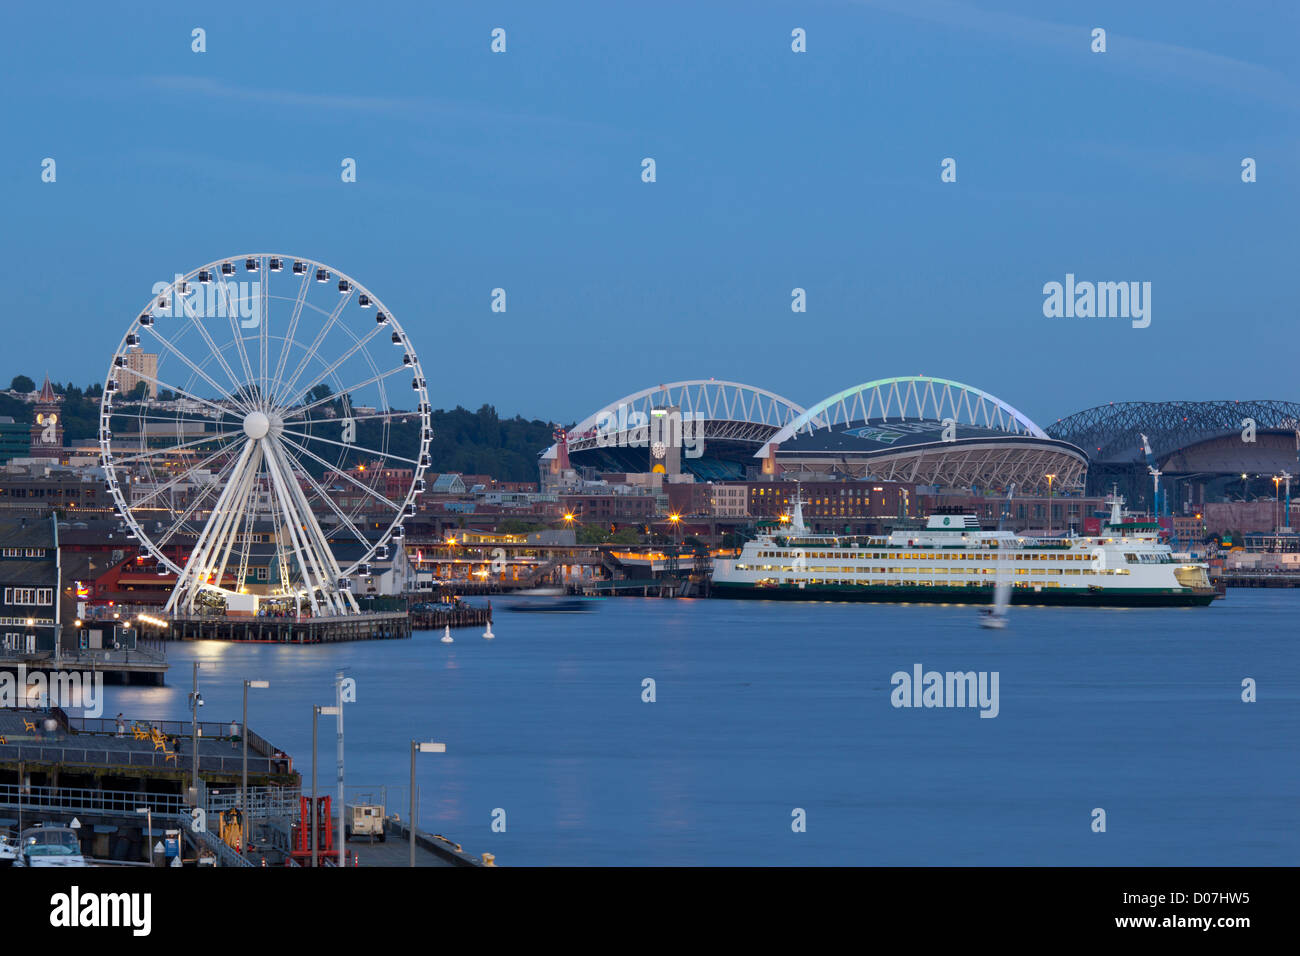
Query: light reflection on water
{"x": 762, "y": 708}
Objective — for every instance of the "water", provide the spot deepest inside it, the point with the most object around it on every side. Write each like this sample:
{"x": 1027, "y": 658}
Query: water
{"x": 766, "y": 707}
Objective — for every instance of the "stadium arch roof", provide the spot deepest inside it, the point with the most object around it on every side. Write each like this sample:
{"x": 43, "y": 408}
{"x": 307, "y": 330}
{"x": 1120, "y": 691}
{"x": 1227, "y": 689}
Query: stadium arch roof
{"x": 929, "y": 431}
{"x": 732, "y": 411}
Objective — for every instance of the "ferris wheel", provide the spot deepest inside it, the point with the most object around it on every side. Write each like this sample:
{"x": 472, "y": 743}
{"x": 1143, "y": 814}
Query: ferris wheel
{"x": 264, "y": 433}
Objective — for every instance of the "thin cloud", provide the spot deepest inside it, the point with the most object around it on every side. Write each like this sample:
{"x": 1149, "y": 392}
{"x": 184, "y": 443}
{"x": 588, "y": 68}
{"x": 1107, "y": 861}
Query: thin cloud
{"x": 1182, "y": 63}
{"x": 415, "y": 107}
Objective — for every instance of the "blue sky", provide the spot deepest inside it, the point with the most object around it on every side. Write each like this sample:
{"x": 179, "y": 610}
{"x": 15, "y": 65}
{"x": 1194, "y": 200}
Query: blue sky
{"x": 775, "y": 170}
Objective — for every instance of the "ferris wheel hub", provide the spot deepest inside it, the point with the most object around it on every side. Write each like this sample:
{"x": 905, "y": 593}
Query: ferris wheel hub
{"x": 256, "y": 425}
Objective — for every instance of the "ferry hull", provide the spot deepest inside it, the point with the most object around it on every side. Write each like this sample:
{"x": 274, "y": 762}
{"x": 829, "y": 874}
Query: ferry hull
{"x": 1050, "y": 597}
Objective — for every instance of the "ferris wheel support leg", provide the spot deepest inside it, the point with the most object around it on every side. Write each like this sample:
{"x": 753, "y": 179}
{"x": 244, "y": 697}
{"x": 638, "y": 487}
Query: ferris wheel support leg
{"x": 185, "y": 584}
{"x": 305, "y": 558}
{"x": 225, "y": 527}
{"x": 238, "y": 514}
{"x": 328, "y": 566}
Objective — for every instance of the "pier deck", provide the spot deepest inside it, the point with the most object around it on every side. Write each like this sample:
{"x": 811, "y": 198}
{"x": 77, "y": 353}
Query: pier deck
{"x": 380, "y": 626}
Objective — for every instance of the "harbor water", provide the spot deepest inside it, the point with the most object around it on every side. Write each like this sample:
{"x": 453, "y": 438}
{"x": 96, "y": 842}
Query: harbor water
{"x": 762, "y": 710}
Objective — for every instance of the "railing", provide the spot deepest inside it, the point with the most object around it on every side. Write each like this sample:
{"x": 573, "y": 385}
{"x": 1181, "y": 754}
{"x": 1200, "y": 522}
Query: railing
{"x": 130, "y": 758}
{"x": 89, "y": 801}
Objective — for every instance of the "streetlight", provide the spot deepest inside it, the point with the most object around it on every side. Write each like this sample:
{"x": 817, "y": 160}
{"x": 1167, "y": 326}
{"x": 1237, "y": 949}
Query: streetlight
{"x": 243, "y": 733}
{"x": 675, "y": 519}
{"x": 148, "y": 812}
{"x": 424, "y": 748}
{"x": 196, "y": 701}
{"x": 316, "y": 712}
{"x": 1050, "y": 479}
{"x": 1277, "y": 500}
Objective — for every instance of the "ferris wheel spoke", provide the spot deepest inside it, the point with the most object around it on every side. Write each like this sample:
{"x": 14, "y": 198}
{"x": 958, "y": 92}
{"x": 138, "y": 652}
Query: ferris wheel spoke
{"x": 153, "y": 452}
{"x": 225, "y": 450}
{"x": 232, "y": 313}
{"x": 171, "y": 349}
{"x": 310, "y": 353}
{"x": 354, "y": 447}
{"x": 264, "y": 277}
{"x": 360, "y": 344}
{"x": 287, "y": 344}
{"x": 319, "y": 460}
{"x": 199, "y": 327}
{"x": 193, "y": 506}
{"x": 356, "y": 532}
{"x": 303, "y": 409}
{"x": 159, "y": 383}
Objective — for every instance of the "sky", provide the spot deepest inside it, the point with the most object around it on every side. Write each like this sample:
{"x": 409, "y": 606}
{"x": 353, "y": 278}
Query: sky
{"x": 774, "y": 170}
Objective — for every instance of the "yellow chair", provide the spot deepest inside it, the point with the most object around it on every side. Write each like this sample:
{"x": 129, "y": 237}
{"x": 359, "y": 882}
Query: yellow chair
{"x": 28, "y": 725}
{"x": 139, "y": 732}
{"x": 3, "y": 741}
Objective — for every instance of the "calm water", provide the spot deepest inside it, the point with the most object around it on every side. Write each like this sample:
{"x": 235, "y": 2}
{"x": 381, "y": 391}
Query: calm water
{"x": 763, "y": 708}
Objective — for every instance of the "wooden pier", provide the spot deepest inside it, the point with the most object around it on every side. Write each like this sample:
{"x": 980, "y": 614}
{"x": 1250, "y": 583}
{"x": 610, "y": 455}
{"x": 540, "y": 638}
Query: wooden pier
{"x": 381, "y": 626}
{"x": 451, "y": 616}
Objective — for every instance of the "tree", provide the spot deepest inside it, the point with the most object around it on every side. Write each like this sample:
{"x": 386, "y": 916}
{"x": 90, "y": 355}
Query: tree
{"x": 22, "y": 383}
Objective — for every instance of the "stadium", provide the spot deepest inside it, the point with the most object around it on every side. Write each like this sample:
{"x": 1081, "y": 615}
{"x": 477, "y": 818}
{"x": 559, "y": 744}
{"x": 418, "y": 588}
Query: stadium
{"x": 926, "y": 431}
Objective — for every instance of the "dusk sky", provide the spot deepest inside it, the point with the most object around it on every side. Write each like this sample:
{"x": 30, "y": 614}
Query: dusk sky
{"x": 775, "y": 170}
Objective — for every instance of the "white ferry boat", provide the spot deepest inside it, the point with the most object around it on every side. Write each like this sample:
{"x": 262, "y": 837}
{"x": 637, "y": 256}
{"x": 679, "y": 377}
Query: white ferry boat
{"x": 953, "y": 561}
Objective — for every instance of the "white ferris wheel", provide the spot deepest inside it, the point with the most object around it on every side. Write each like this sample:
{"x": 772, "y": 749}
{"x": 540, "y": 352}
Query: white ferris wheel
{"x": 264, "y": 433}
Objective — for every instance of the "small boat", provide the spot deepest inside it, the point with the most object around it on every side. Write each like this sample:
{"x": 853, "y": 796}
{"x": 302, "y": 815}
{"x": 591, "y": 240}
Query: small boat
{"x": 996, "y": 616}
{"x": 568, "y": 606}
{"x": 49, "y": 846}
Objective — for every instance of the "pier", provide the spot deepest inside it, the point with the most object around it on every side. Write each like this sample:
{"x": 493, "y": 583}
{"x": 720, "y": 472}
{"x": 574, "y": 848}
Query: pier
{"x": 125, "y": 666}
{"x": 380, "y": 626}
{"x": 451, "y": 616}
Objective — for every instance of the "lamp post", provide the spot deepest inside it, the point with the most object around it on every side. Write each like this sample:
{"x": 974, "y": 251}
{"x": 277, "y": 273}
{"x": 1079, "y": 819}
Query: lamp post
{"x": 1277, "y": 500}
{"x": 1050, "y": 479}
{"x": 148, "y": 812}
{"x": 243, "y": 734}
{"x": 196, "y": 701}
{"x": 424, "y": 748}
{"x": 315, "y": 713}
{"x": 338, "y": 702}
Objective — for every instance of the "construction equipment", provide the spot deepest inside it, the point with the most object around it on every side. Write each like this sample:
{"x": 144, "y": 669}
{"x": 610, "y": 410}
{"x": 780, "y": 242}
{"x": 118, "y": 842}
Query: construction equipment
{"x": 1157, "y": 511}
{"x": 302, "y": 832}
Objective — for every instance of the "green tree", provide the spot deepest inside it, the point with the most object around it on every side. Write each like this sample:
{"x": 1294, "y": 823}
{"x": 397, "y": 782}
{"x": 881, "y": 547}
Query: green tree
{"x": 22, "y": 383}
